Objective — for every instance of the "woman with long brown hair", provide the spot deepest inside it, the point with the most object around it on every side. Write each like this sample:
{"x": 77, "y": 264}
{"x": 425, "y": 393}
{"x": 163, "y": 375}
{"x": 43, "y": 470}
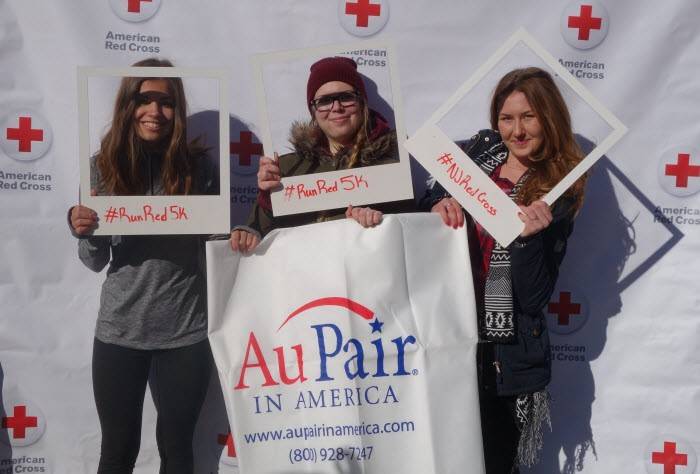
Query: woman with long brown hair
{"x": 152, "y": 316}
{"x": 529, "y": 149}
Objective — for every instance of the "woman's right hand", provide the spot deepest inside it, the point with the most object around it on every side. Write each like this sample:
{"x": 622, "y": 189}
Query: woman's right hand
{"x": 243, "y": 241}
{"x": 451, "y": 212}
{"x": 268, "y": 173}
{"x": 83, "y": 220}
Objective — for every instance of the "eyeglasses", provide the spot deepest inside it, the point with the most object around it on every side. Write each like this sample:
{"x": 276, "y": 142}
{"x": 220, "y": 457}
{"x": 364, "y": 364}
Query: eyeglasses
{"x": 325, "y": 102}
{"x": 163, "y": 100}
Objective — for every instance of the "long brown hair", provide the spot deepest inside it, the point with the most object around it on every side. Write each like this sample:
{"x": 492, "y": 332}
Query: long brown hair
{"x": 122, "y": 151}
{"x": 559, "y": 152}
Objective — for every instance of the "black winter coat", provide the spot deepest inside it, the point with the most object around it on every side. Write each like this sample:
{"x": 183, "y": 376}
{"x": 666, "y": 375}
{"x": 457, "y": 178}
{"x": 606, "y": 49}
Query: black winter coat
{"x": 525, "y": 365}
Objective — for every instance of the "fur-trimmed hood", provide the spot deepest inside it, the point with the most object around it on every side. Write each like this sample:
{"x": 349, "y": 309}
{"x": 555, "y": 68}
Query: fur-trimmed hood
{"x": 310, "y": 144}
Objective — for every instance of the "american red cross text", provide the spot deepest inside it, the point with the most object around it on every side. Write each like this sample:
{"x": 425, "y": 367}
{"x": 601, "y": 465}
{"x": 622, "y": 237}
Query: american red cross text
{"x": 669, "y": 458}
{"x": 585, "y": 22}
{"x": 245, "y": 149}
{"x": 25, "y": 134}
{"x": 564, "y": 309}
{"x": 682, "y": 170}
{"x": 19, "y": 422}
{"x": 363, "y": 9}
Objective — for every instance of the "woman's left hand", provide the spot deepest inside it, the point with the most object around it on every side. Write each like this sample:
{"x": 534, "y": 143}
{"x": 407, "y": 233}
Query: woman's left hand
{"x": 537, "y": 217}
{"x": 365, "y": 216}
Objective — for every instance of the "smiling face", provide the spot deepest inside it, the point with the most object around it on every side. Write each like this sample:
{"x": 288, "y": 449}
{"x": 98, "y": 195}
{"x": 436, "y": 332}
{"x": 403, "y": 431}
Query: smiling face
{"x": 154, "y": 113}
{"x": 341, "y": 123}
{"x": 519, "y": 127}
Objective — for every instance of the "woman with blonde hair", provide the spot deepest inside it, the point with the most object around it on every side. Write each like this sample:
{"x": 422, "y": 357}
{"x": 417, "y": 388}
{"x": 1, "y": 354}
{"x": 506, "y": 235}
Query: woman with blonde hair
{"x": 529, "y": 149}
{"x": 343, "y": 133}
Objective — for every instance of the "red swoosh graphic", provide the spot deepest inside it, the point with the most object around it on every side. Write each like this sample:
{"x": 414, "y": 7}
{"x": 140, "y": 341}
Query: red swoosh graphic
{"x": 353, "y": 306}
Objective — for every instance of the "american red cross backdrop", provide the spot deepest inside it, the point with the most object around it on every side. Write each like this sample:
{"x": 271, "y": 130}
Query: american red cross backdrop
{"x": 622, "y": 320}
{"x": 669, "y": 458}
{"x": 585, "y": 22}
{"x": 134, "y": 6}
{"x": 683, "y": 170}
{"x": 363, "y": 10}
{"x": 246, "y": 149}
{"x": 19, "y": 422}
{"x": 24, "y": 134}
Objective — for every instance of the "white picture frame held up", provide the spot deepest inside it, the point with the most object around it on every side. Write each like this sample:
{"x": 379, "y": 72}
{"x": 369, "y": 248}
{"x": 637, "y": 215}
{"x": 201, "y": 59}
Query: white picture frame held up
{"x": 474, "y": 190}
{"x": 139, "y": 215}
{"x": 281, "y": 79}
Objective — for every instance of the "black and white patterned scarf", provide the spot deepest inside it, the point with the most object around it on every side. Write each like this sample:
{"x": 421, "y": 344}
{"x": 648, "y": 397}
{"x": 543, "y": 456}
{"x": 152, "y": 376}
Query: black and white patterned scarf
{"x": 498, "y": 324}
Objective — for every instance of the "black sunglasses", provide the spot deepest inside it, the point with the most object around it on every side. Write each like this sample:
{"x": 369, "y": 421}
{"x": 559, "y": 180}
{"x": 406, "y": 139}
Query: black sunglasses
{"x": 162, "y": 99}
{"x": 325, "y": 102}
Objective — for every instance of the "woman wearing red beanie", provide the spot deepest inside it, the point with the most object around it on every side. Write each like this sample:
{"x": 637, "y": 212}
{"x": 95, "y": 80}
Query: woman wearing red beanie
{"x": 344, "y": 132}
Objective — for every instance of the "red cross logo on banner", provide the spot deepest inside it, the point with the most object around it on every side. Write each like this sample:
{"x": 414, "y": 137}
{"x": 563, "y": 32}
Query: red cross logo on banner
{"x": 669, "y": 458}
{"x": 25, "y": 134}
{"x": 585, "y": 22}
{"x": 363, "y": 17}
{"x": 245, "y": 149}
{"x": 227, "y": 440}
{"x": 363, "y": 9}
{"x": 19, "y": 422}
{"x": 568, "y": 310}
{"x": 134, "y": 6}
{"x": 677, "y": 173}
{"x": 682, "y": 170}
{"x": 564, "y": 309}
{"x": 135, "y": 10}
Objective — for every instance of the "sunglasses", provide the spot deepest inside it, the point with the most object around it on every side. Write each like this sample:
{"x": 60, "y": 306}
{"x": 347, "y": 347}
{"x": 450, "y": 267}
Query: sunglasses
{"x": 325, "y": 102}
{"x": 163, "y": 100}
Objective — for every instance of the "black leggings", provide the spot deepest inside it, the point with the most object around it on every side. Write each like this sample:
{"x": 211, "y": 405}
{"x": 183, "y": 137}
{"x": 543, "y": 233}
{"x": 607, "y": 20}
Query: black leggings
{"x": 179, "y": 385}
{"x": 499, "y": 430}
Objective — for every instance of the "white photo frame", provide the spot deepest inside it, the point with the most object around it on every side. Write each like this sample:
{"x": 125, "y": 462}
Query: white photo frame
{"x": 387, "y": 182}
{"x": 480, "y": 196}
{"x": 139, "y": 215}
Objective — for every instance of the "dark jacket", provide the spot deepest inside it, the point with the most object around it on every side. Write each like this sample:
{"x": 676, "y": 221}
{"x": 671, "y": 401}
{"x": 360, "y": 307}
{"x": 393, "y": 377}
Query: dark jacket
{"x": 525, "y": 366}
{"x": 310, "y": 156}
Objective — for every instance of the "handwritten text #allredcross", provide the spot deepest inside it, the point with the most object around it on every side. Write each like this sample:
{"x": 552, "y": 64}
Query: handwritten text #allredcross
{"x": 464, "y": 180}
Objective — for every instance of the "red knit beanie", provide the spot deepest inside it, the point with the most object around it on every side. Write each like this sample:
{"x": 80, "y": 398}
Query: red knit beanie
{"x": 333, "y": 69}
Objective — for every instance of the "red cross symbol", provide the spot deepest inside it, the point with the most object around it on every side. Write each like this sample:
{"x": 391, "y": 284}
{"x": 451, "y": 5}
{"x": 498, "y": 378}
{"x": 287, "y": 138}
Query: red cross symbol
{"x": 227, "y": 440}
{"x": 25, "y": 134}
{"x": 19, "y": 422}
{"x": 246, "y": 148}
{"x": 134, "y": 6}
{"x": 669, "y": 458}
{"x": 585, "y": 22}
{"x": 363, "y": 9}
{"x": 682, "y": 170}
{"x": 564, "y": 309}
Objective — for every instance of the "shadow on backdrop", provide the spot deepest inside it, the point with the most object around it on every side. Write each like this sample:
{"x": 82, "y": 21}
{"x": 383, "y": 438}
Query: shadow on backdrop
{"x": 599, "y": 249}
{"x": 5, "y": 446}
{"x": 245, "y": 150}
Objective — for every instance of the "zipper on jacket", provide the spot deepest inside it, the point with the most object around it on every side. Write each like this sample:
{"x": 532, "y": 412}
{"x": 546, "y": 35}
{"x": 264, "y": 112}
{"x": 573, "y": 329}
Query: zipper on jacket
{"x": 497, "y": 365}
{"x": 499, "y": 374}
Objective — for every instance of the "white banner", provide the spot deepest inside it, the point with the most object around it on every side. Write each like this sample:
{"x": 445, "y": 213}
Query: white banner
{"x": 343, "y": 349}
